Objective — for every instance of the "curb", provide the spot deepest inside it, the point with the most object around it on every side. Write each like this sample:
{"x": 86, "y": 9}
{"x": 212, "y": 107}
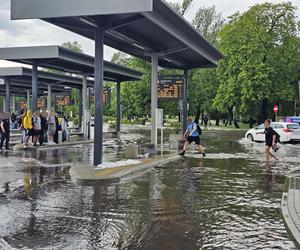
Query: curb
{"x": 289, "y": 212}
{"x": 89, "y": 176}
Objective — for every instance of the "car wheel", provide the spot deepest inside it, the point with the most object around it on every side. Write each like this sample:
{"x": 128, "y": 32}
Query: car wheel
{"x": 250, "y": 137}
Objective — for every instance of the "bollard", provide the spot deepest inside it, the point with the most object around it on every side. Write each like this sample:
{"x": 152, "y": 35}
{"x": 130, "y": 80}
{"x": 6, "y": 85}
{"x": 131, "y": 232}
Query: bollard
{"x": 131, "y": 152}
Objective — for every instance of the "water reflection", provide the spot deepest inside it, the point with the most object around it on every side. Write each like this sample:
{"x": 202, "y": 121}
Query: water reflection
{"x": 214, "y": 203}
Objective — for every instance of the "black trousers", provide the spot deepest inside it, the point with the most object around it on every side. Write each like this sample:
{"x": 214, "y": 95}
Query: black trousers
{"x": 4, "y": 137}
{"x": 42, "y": 136}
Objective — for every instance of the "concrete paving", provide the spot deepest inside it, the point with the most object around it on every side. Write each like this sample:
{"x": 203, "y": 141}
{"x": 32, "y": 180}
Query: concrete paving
{"x": 90, "y": 176}
{"x": 290, "y": 206}
{"x": 20, "y": 147}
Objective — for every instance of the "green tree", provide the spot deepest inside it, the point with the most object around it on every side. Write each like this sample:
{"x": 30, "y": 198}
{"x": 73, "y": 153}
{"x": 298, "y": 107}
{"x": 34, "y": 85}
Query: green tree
{"x": 135, "y": 96}
{"x": 183, "y": 7}
{"x": 73, "y": 45}
{"x": 261, "y": 50}
{"x": 203, "y": 82}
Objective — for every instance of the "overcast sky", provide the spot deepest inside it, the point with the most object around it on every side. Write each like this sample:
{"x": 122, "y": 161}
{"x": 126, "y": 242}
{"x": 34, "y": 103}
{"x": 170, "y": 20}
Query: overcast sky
{"x": 35, "y": 32}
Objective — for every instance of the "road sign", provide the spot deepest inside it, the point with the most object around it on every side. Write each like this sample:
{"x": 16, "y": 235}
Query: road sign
{"x": 160, "y": 118}
{"x": 275, "y": 108}
{"x": 170, "y": 86}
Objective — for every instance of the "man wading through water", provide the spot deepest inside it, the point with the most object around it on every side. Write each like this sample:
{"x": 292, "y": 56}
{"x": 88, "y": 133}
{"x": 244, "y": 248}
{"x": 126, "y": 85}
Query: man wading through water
{"x": 192, "y": 135}
{"x": 271, "y": 139}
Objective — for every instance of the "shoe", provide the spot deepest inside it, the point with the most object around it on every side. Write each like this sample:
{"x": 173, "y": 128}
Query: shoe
{"x": 35, "y": 145}
{"x": 182, "y": 153}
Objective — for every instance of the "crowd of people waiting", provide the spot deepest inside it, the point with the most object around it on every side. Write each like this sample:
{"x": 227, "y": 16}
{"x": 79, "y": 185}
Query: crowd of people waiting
{"x": 37, "y": 128}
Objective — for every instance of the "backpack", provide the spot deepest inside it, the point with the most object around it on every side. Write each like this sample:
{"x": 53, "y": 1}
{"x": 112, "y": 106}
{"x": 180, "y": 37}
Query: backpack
{"x": 199, "y": 129}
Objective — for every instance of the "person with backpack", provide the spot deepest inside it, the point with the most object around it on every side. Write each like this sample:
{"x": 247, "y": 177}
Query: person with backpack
{"x": 272, "y": 137}
{"x": 28, "y": 126}
{"x": 192, "y": 134}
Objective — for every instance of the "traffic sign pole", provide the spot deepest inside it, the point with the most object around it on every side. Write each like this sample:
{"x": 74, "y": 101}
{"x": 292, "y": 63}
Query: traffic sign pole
{"x": 275, "y": 109}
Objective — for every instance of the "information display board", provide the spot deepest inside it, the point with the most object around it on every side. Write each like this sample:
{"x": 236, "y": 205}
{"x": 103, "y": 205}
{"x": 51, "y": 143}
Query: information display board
{"x": 41, "y": 103}
{"x": 170, "y": 86}
{"x": 62, "y": 101}
{"x": 106, "y": 96}
{"x": 23, "y": 104}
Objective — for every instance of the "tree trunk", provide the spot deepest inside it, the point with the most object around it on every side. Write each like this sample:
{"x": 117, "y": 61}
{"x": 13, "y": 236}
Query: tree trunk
{"x": 264, "y": 111}
{"x": 227, "y": 121}
{"x": 197, "y": 117}
{"x": 202, "y": 116}
{"x": 236, "y": 124}
{"x": 230, "y": 112}
{"x": 218, "y": 119}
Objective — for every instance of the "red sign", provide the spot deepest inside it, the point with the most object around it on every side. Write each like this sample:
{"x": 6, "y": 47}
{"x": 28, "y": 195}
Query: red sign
{"x": 275, "y": 108}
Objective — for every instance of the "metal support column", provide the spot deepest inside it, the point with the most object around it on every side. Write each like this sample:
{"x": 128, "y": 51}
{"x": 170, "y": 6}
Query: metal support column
{"x": 34, "y": 86}
{"x": 98, "y": 133}
{"x": 154, "y": 78}
{"x": 185, "y": 102}
{"x": 7, "y": 95}
{"x": 84, "y": 106}
{"x": 80, "y": 108}
{"x": 55, "y": 103}
{"x": 89, "y": 98}
{"x": 28, "y": 99}
{"x": 118, "y": 107}
{"x": 13, "y": 103}
{"x": 49, "y": 98}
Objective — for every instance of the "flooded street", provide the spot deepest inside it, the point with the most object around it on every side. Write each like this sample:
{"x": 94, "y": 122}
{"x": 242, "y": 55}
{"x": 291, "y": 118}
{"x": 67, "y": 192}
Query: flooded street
{"x": 229, "y": 200}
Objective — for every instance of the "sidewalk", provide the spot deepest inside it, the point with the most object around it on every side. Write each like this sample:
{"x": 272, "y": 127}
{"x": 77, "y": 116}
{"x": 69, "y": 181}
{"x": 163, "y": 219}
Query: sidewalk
{"x": 20, "y": 147}
{"x": 290, "y": 206}
{"x": 89, "y": 176}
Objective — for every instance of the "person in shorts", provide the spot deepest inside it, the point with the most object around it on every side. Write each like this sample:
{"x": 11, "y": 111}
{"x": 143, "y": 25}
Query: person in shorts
{"x": 192, "y": 135}
{"x": 270, "y": 137}
{"x": 28, "y": 126}
{"x": 36, "y": 127}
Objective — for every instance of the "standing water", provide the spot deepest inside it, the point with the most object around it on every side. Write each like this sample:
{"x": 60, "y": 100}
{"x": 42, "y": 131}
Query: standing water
{"x": 229, "y": 200}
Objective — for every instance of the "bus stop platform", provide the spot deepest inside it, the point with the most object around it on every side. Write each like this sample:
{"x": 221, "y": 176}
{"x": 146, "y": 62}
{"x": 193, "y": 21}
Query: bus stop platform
{"x": 90, "y": 176}
{"x": 290, "y": 206}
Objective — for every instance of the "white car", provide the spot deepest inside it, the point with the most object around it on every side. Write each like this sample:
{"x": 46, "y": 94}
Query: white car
{"x": 289, "y": 132}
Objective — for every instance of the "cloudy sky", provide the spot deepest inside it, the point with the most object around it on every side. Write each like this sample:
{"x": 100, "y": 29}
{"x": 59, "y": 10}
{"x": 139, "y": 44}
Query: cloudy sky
{"x": 35, "y": 32}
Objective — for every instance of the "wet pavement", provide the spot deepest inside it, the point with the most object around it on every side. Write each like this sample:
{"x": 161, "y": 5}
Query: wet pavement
{"x": 229, "y": 200}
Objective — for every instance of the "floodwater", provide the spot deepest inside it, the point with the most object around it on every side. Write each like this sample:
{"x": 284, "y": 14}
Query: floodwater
{"x": 229, "y": 200}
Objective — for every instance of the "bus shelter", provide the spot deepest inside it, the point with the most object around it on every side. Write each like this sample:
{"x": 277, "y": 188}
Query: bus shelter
{"x": 19, "y": 78}
{"x": 148, "y": 29}
{"x": 71, "y": 62}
